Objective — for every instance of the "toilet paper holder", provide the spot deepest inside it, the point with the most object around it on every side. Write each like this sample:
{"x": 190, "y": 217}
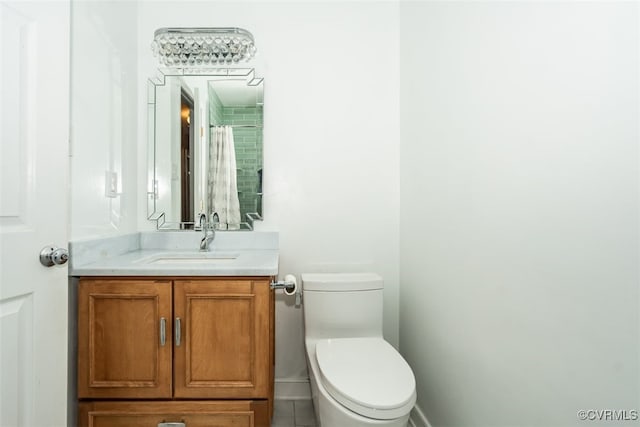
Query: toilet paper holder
{"x": 290, "y": 287}
{"x": 283, "y": 284}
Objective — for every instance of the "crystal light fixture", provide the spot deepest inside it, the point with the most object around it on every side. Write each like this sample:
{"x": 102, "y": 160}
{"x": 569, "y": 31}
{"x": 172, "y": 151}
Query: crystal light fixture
{"x": 189, "y": 47}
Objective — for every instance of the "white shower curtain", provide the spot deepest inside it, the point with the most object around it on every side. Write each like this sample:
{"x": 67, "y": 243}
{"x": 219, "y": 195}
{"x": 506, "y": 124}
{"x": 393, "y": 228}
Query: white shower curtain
{"x": 222, "y": 182}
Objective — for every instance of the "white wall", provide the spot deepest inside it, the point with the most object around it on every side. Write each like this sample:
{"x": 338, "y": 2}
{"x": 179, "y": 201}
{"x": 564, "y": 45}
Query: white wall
{"x": 519, "y": 209}
{"x": 331, "y": 136}
{"x": 104, "y": 86}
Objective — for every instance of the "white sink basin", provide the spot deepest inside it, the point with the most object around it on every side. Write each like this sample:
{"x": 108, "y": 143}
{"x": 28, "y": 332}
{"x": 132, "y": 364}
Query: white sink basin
{"x": 198, "y": 258}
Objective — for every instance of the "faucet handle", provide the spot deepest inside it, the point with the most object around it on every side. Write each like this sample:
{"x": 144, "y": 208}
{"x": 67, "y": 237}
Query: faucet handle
{"x": 215, "y": 219}
{"x": 202, "y": 222}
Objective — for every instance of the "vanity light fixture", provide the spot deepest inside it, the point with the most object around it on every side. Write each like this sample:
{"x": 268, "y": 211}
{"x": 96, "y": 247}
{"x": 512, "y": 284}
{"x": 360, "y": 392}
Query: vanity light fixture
{"x": 192, "y": 47}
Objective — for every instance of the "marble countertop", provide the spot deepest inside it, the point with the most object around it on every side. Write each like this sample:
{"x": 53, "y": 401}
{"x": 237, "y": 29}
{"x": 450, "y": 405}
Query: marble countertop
{"x": 169, "y": 254}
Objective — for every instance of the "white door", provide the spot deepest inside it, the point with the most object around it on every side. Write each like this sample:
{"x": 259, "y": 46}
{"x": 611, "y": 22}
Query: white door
{"x": 34, "y": 150}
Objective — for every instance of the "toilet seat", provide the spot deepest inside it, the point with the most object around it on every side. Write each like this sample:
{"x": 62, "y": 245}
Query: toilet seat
{"x": 367, "y": 375}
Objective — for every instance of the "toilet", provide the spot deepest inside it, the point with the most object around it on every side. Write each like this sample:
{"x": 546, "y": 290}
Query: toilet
{"x": 357, "y": 378}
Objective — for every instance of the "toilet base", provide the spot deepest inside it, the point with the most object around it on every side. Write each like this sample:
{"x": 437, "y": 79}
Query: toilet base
{"x": 329, "y": 412}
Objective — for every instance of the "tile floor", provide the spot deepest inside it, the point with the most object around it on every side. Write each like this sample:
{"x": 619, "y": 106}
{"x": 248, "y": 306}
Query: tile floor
{"x": 293, "y": 413}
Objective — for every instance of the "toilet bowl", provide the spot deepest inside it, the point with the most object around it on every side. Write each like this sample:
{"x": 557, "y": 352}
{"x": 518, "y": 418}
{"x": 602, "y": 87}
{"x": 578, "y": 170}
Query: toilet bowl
{"x": 357, "y": 378}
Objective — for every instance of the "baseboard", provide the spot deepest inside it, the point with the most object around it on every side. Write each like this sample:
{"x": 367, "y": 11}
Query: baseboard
{"x": 417, "y": 418}
{"x": 292, "y": 389}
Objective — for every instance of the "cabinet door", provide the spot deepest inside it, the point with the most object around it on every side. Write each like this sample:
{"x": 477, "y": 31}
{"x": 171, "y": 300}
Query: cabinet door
{"x": 224, "y": 346}
{"x": 191, "y": 414}
{"x": 122, "y": 350}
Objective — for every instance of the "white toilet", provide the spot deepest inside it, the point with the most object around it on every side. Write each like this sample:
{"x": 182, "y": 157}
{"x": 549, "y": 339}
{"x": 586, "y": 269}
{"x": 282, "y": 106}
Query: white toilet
{"x": 357, "y": 378}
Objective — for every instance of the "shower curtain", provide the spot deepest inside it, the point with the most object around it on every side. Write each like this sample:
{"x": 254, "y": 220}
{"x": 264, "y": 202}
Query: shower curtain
{"x": 222, "y": 179}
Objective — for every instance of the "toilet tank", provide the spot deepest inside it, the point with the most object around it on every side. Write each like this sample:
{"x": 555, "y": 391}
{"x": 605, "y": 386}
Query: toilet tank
{"x": 342, "y": 305}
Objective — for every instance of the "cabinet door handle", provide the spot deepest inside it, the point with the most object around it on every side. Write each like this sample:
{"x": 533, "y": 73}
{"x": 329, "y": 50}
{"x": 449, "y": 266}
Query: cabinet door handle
{"x": 178, "y": 334}
{"x": 163, "y": 331}
{"x": 163, "y": 424}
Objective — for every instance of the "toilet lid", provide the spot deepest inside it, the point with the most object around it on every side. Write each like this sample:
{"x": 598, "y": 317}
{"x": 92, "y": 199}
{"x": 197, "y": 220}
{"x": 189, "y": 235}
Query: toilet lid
{"x": 367, "y": 375}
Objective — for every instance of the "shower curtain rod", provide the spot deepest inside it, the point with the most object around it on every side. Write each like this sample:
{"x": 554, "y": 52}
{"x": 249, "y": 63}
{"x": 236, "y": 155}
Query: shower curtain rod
{"x": 238, "y": 126}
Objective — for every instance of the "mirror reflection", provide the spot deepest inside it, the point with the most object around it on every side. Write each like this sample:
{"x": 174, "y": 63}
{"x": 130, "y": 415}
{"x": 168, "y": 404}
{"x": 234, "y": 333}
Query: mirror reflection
{"x": 205, "y": 149}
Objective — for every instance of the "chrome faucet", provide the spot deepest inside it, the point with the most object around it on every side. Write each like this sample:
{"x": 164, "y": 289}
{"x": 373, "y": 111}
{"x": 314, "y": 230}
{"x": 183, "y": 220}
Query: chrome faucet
{"x": 208, "y": 230}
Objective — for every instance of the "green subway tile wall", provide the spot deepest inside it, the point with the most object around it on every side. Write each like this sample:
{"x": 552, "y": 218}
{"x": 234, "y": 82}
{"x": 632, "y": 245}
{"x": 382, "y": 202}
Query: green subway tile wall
{"x": 248, "y": 144}
{"x": 215, "y": 108}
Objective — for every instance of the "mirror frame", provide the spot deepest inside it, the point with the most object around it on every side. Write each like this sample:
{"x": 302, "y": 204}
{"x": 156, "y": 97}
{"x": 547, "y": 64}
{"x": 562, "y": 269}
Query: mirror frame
{"x": 160, "y": 79}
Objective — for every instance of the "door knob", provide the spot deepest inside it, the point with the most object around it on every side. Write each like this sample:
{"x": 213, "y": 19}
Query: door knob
{"x": 52, "y": 255}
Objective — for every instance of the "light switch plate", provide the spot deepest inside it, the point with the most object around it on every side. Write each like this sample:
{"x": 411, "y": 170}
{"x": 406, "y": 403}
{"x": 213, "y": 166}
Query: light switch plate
{"x": 111, "y": 184}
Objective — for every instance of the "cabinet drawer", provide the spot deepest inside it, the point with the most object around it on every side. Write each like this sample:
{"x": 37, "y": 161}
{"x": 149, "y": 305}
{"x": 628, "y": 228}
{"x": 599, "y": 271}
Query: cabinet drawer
{"x": 241, "y": 413}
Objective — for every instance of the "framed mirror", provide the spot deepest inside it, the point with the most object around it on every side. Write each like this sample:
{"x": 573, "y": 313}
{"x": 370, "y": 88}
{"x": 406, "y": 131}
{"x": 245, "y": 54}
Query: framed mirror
{"x": 205, "y": 148}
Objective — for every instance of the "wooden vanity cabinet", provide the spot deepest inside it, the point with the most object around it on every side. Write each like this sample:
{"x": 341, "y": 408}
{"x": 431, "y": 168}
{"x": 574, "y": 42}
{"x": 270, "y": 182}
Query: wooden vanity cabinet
{"x": 148, "y": 339}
